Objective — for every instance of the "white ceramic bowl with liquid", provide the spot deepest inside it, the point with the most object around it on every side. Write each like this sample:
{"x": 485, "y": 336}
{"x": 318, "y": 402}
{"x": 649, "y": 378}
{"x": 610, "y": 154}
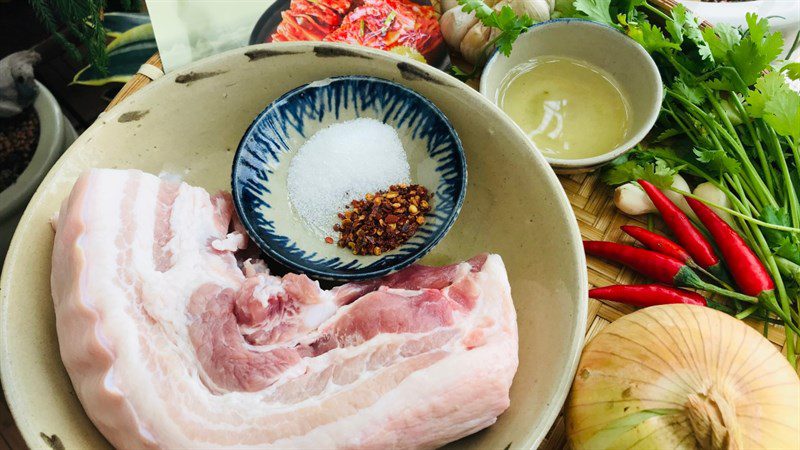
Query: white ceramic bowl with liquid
{"x": 628, "y": 64}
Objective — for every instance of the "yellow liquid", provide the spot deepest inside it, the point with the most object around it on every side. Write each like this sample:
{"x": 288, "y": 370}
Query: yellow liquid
{"x": 568, "y": 108}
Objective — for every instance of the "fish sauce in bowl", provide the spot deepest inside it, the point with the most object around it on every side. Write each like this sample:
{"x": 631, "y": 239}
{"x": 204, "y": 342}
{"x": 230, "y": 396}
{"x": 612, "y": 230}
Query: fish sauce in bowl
{"x": 570, "y": 109}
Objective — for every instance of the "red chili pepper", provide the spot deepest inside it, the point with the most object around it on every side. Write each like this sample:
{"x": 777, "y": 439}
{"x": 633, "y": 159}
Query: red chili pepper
{"x": 656, "y": 242}
{"x": 661, "y": 268}
{"x": 749, "y": 273}
{"x": 687, "y": 234}
{"x": 647, "y": 295}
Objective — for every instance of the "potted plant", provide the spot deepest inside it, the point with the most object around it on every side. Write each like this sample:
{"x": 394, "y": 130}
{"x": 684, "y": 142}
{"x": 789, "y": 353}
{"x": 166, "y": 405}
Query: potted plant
{"x": 783, "y": 15}
{"x": 33, "y": 134}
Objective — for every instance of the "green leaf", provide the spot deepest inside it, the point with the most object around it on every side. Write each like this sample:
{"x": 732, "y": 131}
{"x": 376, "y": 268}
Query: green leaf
{"x": 596, "y": 10}
{"x": 791, "y": 70}
{"x": 765, "y": 89}
{"x": 782, "y": 243}
{"x": 684, "y": 24}
{"x": 136, "y": 34}
{"x": 782, "y": 112}
{"x": 651, "y": 37}
{"x": 721, "y": 39}
{"x": 123, "y": 63}
{"x": 118, "y": 22}
{"x": 695, "y": 94}
{"x": 505, "y": 20}
{"x": 718, "y": 161}
{"x": 658, "y": 173}
{"x": 774, "y": 101}
{"x": 510, "y": 26}
{"x": 666, "y": 134}
{"x": 564, "y": 8}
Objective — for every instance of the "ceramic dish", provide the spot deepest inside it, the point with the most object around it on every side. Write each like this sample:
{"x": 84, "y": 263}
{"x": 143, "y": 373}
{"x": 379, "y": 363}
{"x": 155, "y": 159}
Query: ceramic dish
{"x": 261, "y": 166}
{"x": 633, "y": 70}
{"x": 514, "y": 206}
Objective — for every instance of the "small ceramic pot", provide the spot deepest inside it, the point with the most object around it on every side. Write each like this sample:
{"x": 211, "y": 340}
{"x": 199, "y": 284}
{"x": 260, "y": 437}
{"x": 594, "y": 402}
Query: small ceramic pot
{"x": 632, "y": 69}
{"x": 783, "y": 15}
{"x": 55, "y": 135}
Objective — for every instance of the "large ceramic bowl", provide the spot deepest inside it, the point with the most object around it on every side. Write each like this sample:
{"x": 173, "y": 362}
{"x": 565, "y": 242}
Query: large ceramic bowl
{"x": 261, "y": 172}
{"x": 190, "y": 121}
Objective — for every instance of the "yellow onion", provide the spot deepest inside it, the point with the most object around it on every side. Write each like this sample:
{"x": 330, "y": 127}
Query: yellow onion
{"x": 680, "y": 376}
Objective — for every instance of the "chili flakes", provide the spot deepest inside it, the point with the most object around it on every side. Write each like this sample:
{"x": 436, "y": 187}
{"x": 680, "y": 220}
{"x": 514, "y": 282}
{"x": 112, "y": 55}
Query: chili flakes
{"x": 383, "y": 221}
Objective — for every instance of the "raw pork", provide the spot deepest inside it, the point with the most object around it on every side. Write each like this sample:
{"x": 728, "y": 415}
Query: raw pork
{"x": 171, "y": 342}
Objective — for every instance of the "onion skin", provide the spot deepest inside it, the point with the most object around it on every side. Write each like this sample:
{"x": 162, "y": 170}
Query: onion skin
{"x": 683, "y": 376}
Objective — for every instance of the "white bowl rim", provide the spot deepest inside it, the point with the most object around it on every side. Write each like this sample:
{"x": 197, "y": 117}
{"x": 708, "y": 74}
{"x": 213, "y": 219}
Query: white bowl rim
{"x": 629, "y": 143}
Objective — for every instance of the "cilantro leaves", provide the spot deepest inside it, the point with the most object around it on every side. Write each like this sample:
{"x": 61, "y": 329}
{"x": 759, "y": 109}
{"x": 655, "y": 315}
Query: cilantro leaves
{"x": 596, "y": 10}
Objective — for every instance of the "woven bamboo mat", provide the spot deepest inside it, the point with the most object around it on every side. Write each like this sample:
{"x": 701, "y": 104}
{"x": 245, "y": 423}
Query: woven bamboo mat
{"x": 598, "y": 219}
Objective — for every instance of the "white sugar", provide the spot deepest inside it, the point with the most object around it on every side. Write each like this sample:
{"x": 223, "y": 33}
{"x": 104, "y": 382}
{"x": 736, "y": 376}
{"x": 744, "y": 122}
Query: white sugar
{"x": 341, "y": 163}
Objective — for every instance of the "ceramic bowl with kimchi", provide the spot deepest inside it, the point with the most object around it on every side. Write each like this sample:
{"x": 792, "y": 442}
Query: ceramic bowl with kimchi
{"x": 406, "y": 27}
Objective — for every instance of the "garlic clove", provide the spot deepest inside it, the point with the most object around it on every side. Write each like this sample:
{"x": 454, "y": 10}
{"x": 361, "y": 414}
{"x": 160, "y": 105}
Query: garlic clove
{"x": 631, "y": 199}
{"x": 707, "y": 191}
{"x": 447, "y": 5}
{"x": 680, "y": 376}
{"x": 679, "y": 183}
{"x": 474, "y": 43}
{"x": 538, "y": 10}
{"x": 454, "y": 24}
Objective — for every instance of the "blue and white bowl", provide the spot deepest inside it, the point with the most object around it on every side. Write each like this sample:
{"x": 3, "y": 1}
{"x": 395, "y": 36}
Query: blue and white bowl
{"x": 261, "y": 166}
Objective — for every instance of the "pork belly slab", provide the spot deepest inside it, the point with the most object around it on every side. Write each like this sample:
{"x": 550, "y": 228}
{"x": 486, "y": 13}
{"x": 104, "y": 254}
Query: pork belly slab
{"x": 171, "y": 342}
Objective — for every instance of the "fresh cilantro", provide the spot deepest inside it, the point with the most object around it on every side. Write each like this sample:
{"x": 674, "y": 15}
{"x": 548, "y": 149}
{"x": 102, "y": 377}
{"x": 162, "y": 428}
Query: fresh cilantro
{"x": 721, "y": 39}
{"x": 666, "y": 134}
{"x": 782, "y": 243}
{"x": 694, "y": 94}
{"x": 791, "y": 70}
{"x": 765, "y": 88}
{"x": 650, "y": 37}
{"x": 658, "y": 173}
{"x": 596, "y": 10}
{"x": 505, "y": 20}
{"x": 774, "y": 101}
{"x": 685, "y": 25}
{"x": 718, "y": 161}
{"x": 564, "y": 8}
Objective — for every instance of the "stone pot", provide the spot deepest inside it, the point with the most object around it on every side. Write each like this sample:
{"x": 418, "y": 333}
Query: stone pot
{"x": 55, "y": 135}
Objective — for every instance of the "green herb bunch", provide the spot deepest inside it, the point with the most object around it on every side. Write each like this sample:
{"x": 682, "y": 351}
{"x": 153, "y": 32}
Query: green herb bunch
{"x": 508, "y": 25}
{"x": 730, "y": 118}
{"x": 82, "y": 19}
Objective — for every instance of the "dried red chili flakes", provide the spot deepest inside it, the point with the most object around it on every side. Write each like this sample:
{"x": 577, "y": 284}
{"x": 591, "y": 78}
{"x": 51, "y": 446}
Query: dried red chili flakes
{"x": 383, "y": 221}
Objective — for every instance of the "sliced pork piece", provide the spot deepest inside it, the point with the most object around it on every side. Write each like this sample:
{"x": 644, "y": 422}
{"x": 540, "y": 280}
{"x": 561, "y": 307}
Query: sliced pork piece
{"x": 171, "y": 344}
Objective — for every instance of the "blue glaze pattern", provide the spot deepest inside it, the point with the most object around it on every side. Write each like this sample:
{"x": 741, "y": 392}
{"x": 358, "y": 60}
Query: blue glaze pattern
{"x": 265, "y": 151}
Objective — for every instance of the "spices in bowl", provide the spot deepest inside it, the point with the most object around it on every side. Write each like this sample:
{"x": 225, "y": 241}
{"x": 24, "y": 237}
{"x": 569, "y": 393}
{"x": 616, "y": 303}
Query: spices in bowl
{"x": 341, "y": 163}
{"x": 383, "y": 221}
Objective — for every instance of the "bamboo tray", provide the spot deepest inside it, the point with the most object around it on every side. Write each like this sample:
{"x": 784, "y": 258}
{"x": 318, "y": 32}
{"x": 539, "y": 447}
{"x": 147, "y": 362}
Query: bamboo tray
{"x": 598, "y": 219}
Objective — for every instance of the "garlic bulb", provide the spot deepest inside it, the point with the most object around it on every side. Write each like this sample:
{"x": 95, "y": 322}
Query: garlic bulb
{"x": 464, "y": 32}
{"x": 538, "y": 10}
{"x": 474, "y": 43}
{"x": 681, "y": 376}
{"x": 454, "y": 24}
{"x": 447, "y": 5}
{"x": 713, "y": 194}
{"x": 631, "y": 199}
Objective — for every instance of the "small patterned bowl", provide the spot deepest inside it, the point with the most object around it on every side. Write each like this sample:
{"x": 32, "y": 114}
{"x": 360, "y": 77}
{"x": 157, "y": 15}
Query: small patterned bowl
{"x": 261, "y": 165}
